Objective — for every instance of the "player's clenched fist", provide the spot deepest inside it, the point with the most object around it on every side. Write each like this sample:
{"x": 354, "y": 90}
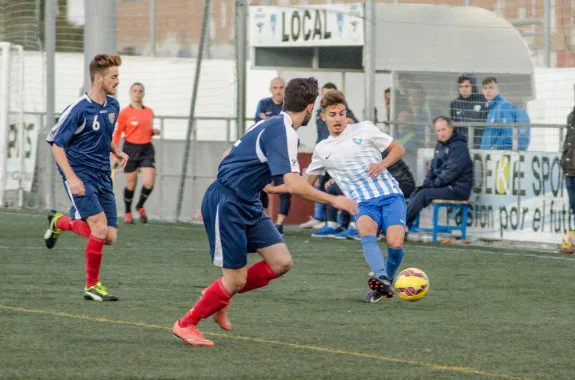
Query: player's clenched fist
{"x": 375, "y": 170}
{"x": 76, "y": 186}
{"x": 122, "y": 159}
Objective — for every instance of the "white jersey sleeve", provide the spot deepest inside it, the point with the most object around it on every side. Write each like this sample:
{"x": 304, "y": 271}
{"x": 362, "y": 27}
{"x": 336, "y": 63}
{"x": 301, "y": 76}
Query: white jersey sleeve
{"x": 316, "y": 167}
{"x": 377, "y": 137}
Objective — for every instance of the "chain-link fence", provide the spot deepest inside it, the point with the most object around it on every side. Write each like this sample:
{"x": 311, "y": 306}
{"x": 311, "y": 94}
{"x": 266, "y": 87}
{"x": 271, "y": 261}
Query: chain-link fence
{"x": 159, "y": 42}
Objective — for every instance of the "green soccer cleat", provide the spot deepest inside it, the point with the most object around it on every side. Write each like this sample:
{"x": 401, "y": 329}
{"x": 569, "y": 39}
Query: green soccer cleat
{"x": 52, "y": 233}
{"x": 98, "y": 292}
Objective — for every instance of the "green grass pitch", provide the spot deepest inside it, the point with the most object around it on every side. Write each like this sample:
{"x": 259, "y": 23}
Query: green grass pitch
{"x": 490, "y": 313}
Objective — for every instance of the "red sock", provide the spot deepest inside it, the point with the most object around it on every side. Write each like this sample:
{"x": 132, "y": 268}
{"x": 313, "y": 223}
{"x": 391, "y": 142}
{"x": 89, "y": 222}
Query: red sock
{"x": 215, "y": 298}
{"x": 78, "y": 226}
{"x": 94, "y": 250}
{"x": 64, "y": 223}
{"x": 259, "y": 275}
{"x": 81, "y": 228}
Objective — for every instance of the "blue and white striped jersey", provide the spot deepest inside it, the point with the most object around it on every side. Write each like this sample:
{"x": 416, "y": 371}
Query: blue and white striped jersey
{"x": 266, "y": 150}
{"x": 85, "y": 131}
{"x": 347, "y": 157}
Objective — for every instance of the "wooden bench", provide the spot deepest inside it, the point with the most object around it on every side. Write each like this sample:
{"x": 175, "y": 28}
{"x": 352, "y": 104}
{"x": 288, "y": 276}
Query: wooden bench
{"x": 444, "y": 228}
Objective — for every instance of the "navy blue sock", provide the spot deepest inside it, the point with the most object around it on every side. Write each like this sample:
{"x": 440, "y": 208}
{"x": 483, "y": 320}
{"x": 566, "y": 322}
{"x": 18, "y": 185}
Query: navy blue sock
{"x": 394, "y": 257}
{"x": 373, "y": 255}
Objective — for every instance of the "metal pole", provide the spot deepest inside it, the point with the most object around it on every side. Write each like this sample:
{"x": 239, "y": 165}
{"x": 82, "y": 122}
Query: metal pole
{"x": 22, "y": 127}
{"x": 369, "y": 58}
{"x": 152, "y": 35}
{"x": 241, "y": 58}
{"x": 191, "y": 120}
{"x": 4, "y": 111}
{"x": 99, "y": 32}
{"x": 50, "y": 49}
{"x": 547, "y": 32}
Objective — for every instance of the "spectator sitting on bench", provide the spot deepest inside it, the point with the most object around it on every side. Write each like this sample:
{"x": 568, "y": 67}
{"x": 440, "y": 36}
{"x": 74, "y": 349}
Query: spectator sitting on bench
{"x": 450, "y": 175}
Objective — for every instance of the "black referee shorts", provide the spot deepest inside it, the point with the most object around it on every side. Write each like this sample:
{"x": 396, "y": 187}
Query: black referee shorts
{"x": 140, "y": 156}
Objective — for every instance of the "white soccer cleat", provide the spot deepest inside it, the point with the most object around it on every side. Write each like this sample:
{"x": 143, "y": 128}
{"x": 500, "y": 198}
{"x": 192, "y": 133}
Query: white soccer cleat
{"x": 313, "y": 223}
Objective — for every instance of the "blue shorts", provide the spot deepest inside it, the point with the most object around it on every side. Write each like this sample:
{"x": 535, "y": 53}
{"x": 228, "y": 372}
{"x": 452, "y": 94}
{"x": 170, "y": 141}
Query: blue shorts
{"x": 235, "y": 227}
{"x": 99, "y": 196}
{"x": 389, "y": 210}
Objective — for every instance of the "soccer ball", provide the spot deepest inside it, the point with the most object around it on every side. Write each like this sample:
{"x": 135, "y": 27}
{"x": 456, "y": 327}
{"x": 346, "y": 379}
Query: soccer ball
{"x": 412, "y": 284}
{"x": 568, "y": 242}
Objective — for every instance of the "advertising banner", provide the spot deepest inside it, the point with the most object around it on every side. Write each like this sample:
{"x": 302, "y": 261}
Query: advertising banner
{"x": 516, "y": 196}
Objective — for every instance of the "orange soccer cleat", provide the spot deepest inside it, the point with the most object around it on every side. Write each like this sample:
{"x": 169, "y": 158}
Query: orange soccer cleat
{"x": 128, "y": 218}
{"x": 191, "y": 335}
{"x": 143, "y": 215}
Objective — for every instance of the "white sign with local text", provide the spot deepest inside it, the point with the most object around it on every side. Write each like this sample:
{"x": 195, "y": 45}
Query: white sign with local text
{"x": 325, "y": 25}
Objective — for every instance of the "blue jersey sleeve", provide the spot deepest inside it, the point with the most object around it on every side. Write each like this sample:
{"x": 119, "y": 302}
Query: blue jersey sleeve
{"x": 70, "y": 121}
{"x": 280, "y": 148}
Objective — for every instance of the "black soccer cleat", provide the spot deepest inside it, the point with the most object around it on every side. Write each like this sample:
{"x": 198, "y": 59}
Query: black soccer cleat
{"x": 373, "y": 296}
{"x": 382, "y": 285}
{"x": 52, "y": 233}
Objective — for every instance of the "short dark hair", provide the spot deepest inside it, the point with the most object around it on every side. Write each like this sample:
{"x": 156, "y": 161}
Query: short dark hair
{"x": 463, "y": 77}
{"x": 387, "y": 90}
{"x": 488, "y": 80}
{"x": 329, "y": 85}
{"x": 332, "y": 98}
{"x": 101, "y": 62}
{"x": 443, "y": 118}
{"x": 299, "y": 93}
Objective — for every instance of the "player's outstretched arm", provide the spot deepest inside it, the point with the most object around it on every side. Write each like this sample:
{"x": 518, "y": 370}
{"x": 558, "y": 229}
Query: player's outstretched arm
{"x": 272, "y": 189}
{"x": 297, "y": 185}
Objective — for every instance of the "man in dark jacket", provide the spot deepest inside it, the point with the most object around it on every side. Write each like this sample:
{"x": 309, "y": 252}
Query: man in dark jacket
{"x": 451, "y": 171}
{"x": 568, "y": 166}
{"x": 568, "y": 159}
{"x": 400, "y": 171}
{"x": 470, "y": 105}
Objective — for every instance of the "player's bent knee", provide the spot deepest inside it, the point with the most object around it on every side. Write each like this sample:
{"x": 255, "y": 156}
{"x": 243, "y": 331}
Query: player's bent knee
{"x": 100, "y": 231}
{"x": 395, "y": 243}
{"x": 283, "y": 265}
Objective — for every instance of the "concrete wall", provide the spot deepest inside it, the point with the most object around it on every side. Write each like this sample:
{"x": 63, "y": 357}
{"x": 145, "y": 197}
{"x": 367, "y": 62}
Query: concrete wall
{"x": 202, "y": 169}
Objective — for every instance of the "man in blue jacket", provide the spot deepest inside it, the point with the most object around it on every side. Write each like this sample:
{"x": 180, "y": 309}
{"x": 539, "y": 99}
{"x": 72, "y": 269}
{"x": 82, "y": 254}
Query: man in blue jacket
{"x": 500, "y": 110}
{"x": 450, "y": 174}
{"x": 271, "y": 106}
{"x": 469, "y": 106}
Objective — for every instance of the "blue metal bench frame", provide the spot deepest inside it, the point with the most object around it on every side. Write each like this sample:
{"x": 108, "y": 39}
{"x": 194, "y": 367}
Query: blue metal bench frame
{"x": 445, "y": 228}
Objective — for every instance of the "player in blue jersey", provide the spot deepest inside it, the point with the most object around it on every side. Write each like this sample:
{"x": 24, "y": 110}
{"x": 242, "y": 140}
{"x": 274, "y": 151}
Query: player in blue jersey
{"x": 352, "y": 155}
{"x": 81, "y": 144}
{"x": 268, "y": 107}
{"x": 234, "y": 217}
